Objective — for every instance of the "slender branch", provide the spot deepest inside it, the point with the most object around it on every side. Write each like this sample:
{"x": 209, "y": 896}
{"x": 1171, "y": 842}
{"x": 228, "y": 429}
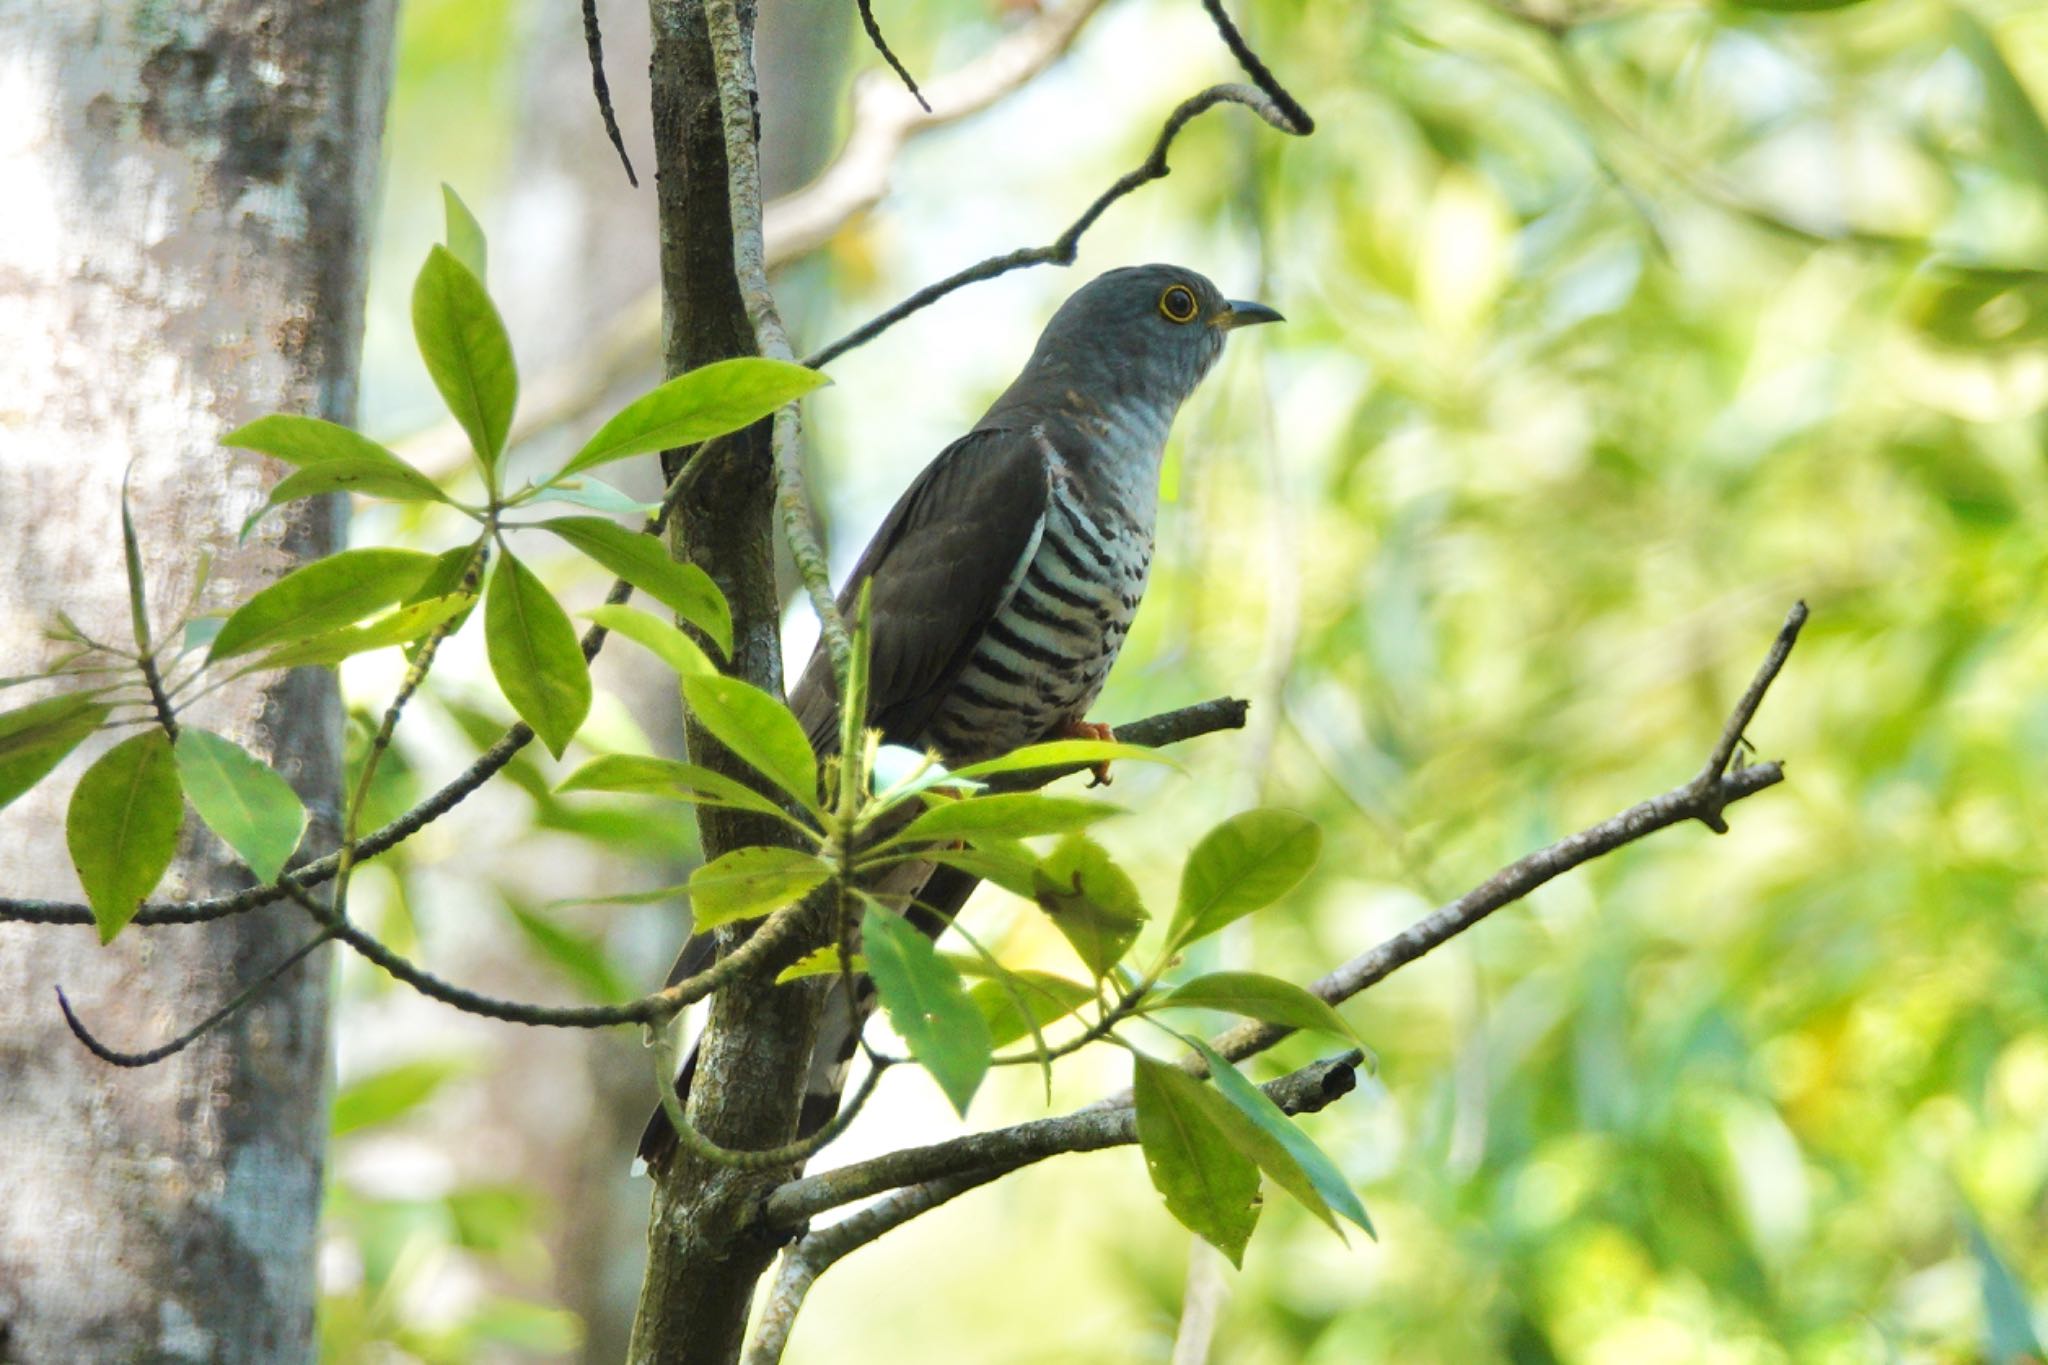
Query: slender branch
{"x": 952, "y": 1168}
{"x": 874, "y": 31}
{"x": 199, "y": 1030}
{"x": 789, "y": 1153}
{"x": 756, "y": 953}
{"x": 593, "y": 42}
{"x": 804, "y": 220}
{"x": 159, "y": 699}
{"x": 943, "y": 1171}
{"x": 1062, "y": 249}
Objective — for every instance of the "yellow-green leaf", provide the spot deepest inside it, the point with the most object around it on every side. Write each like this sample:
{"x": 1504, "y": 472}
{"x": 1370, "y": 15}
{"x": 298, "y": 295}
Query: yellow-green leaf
{"x": 708, "y": 401}
{"x": 323, "y": 596}
{"x": 35, "y": 738}
{"x": 535, "y": 655}
{"x": 927, "y": 1005}
{"x": 1208, "y": 1184}
{"x": 1243, "y": 864}
{"x": 759, "y": 730}
{"x": 243, "y": 800}
{"x": 122, "y": 827}
{"x": 468, "y": 355}
{"x": 749, "y": 882}
{"x": 643, "y": 561}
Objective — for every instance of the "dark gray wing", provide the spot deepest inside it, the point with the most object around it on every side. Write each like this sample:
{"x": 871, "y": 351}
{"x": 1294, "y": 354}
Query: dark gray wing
{"x": 942, "y": 564}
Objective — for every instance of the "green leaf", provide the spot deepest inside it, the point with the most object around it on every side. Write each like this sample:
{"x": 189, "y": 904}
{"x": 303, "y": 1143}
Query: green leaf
{"x": 401, "y": 627}
{"x": 1258, "y": 997}
{"x": 535, "y": 655}
{"x": 371, "y": 478}
{"x": 642, "y": 775}
{"x": 1013, "y": 815}
{"x": 304, "y": 442}
{"x": 465, "y": 236}
{"x": 750, "y": 882}
{"x": 1208, "y": 1184}
{"x": 1064, "y": 753}
{"x": 759, "y": 730}
{"x": 1307, "y": 1174}
{"x": 1015, "y": 1002}
{"x": 818, "y": 962}
{"x": 668, "y": 644}
{"x": 242, "y": 799}
{"x": 35, "y": 738}
{"x": 450, "y": 577}
{"x": 1244, "y": 864}
{"x": 1008, "y": 864}
{"x": 579, "y": 957}
{"x": 131, "y": 550}
{"x": 708, "y": 401}
{"x": 927, "y": 1005}
{"x": 463, "y": 341}
{"x": 2013, "y": 109}
{"x": 378, "y": 1099}
{"x": 122, "y": 827}
{"x": 643, "y": 561}
{"x": 328, "y": 593}
{"x": 599, "y": 496}
{"x": 1090, "y": 900}
{"x": 855, "y": 752}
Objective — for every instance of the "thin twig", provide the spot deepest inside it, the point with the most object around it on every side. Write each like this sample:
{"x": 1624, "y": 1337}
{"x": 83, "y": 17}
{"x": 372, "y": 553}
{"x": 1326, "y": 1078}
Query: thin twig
{"x": 593, "y": 42}
{"x": 867, "y": 21}
{"x": 1062, "y": 249}
{"x": 114, "y": 1057}
{"x": 956, "y": 1163}
{"x": 996, "y": 1154}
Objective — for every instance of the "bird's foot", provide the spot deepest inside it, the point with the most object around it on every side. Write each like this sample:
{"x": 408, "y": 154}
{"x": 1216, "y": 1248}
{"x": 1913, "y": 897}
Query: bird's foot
{"x": 1090, "y": 729}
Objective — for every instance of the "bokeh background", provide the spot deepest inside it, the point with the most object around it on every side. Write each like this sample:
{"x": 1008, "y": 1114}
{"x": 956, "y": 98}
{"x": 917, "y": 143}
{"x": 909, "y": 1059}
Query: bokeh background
{"x": 1614, "y": 328}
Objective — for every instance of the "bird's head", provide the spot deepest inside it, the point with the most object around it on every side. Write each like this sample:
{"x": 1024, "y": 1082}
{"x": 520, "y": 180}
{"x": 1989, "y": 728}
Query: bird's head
{"x": 1144, "y": 334}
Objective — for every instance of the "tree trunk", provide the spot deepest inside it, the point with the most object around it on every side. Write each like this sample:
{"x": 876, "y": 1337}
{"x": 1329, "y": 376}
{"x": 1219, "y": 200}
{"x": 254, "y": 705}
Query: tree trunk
{"x": 702, "y": 1269}
{"x": 186, "y": 193}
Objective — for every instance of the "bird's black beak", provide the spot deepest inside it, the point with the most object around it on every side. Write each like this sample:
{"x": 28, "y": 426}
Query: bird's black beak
{"x": 1241, "y": 313}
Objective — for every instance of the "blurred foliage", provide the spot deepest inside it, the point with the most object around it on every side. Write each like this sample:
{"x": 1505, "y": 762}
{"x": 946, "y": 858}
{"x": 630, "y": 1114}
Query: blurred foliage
{"x": 1614, "y": 328}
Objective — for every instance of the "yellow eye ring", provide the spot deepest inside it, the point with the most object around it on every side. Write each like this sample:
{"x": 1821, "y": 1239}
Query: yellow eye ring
{"x": 1178, "y": 304}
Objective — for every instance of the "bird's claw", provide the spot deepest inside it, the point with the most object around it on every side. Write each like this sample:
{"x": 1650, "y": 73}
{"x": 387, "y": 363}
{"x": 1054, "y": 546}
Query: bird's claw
{"x": 1091, "y": 729}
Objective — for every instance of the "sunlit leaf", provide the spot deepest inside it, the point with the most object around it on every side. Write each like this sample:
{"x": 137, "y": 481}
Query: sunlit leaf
{"x": 1014, "y": 815}
{"x": 324, "y": 595}
{"x": 758, "y": 729}
{"x": 819, "y": 962}
{"x": 1243, "y": 864}
{"x": 242, "y": 799}
{"x": 1016, "y": 1001}
{"x": 464, "y": 235}
{"x": 1258, "y": 997}
{"x": 535, "y": 655}
{"x": 35, "y": 738}
{"x": 1065, "y": 753}
{"x": 584, "y": 491}
{"x": 1004, "y": 862}
{"x": 708, "y": 401}
{"x": 401, "y": 627}
{"x": 1090, "y": 900}
{"x": 1208, "y": 1184}
{"x": 749, "y": 882}
{"x": 649, "y": 776}
{"x": 668, "y": 644}
{"x": 463, "y": 341}
{"x": 643, "y": 561}
{"x": 1307, "y": 1173}
{"x": 927, "y": 1005}
{"x": 122, "y": 827}
{"x": 371, "y": 478}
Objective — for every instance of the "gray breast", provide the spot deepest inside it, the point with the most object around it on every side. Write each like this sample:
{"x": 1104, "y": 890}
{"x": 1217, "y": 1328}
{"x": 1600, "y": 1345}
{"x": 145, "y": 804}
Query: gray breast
{"x": 1043, "y": 659}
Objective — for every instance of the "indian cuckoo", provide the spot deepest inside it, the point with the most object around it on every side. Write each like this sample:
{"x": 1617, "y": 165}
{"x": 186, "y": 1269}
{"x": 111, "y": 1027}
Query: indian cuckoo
{"x": 1006, "y": 576}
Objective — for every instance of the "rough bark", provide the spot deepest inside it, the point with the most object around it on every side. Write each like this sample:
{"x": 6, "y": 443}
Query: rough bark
{"x": 186, "y": 192}
{"x": 701, "y": 1272}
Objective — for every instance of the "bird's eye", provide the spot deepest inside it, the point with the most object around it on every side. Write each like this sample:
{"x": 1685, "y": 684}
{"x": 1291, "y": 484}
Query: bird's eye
{"x": 1178, "y": 304}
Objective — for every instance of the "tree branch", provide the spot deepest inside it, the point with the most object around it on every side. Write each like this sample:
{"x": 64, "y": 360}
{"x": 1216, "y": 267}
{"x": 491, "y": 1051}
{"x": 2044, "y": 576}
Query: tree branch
{"x": 946, "y": 1170}
{"x": 1062, "y": 249}
{"x": 937, "y": 1173}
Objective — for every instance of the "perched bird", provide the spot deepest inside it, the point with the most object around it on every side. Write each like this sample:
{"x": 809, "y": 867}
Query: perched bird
{"x": 1006, "y": 576}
